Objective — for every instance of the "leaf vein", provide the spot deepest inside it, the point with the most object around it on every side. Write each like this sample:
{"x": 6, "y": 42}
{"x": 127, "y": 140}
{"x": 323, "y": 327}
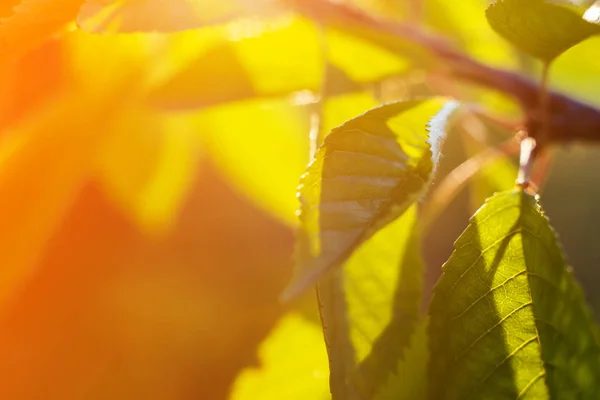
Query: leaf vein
{"x": 504, "y": 361}
{"x": 487, "y": 332}
{"x": 530, "y": 384}
{"x": 488, "y": 293}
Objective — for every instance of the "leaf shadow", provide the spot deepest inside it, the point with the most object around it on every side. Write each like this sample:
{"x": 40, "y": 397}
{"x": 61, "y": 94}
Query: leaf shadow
{"x": 477, "y": 351}
{"x": 389, "y": 347}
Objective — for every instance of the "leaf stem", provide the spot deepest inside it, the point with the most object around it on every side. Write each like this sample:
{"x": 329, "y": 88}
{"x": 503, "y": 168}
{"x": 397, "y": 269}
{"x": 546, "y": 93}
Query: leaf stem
{"x": 540, "y": 133}
{"x": 528, "y": 146}
{"x": 544, "y": 105}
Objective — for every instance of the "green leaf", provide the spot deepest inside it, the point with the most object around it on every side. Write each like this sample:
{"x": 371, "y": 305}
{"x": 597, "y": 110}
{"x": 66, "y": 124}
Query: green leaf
{"x": 577, "y": 73}
{"x": 344, "y": 48}
{"x": 238, "y": 68}
{"x": 507, "y": 319}
{"x": 340, "y": 108}
{"x": 475, "y": 36}
{"x": 366, "y": 174}
{"x": 228, "y": 68}
{"x": 151, "y": 187}
{"x": 409, "y": 382}
{"x": 370, "y": 307}
{"x": 281, "y": 139}
{"x": 293, "y": 365}
{"x": 538, "y": 27}
{"x": 264, "y": 165}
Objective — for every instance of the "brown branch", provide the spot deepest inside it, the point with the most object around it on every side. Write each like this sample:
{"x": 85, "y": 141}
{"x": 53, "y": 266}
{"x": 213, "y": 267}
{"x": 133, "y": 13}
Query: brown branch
{"x": 570, "y": 119}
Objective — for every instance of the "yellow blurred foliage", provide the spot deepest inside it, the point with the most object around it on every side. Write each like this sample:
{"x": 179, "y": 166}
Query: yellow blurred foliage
{"x": 150, "y": 152}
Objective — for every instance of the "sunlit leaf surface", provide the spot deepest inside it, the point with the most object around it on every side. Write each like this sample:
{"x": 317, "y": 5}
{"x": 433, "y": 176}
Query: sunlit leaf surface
{"x": 293, "y": 365}
{"x": 242, "y": 68}
{"x": 576, "y": 72}
{"x": 370, "y": 309}
{"x": 539, "y": 27}
{"x": 507, "y": 319}
{"x": 146, "y": 145}
{"x": 265, "y": 163}
{"x": 367, "y": 173}
{"x": 152, "y": 186}
{"x": 233, "y": 70}
{"x": 369, "y": 306}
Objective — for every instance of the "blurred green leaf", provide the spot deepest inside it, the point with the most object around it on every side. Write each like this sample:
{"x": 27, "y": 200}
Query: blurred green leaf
{"x": 293, "y": 365}
{"x": 239, "y": 68}
{"x": 507, "y": 318}
{"x": 539, "y": 27}
{"x": 151, "y": 187}
{"x": 578, "y": 71}
{"x": 344, "y": 49}
{"x": 235, "y": 68}
{"x": 265, "y": 163}
{"x": 469, "y": 28}
{"x": 367, "y": 173}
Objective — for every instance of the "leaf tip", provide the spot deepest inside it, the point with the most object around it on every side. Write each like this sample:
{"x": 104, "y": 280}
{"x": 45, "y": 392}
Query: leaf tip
{"x": 300, "y": 283}
{"x": 292, "y": 291}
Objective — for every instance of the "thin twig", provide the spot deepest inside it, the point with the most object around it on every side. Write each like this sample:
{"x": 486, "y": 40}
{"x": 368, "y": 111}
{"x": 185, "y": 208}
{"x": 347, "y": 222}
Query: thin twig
{"x": 509, "y": 124}
{"x": 570, "y": 118}
{"x": 544, "y": 105}
{"x": 527, "y": 158}
{"x": 531, "y": 146}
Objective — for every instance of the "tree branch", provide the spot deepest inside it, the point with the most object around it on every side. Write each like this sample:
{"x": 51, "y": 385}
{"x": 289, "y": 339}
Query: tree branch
{"x": 570, "y": 119}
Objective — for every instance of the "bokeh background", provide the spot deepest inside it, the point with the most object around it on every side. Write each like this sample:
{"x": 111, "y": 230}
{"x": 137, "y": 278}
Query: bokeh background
{"x": 149, "y": 154}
